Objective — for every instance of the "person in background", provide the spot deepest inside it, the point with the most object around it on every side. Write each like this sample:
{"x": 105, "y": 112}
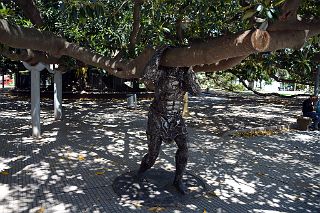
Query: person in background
{"x": 308, "y": 110}
{"x": 317, "y": 107}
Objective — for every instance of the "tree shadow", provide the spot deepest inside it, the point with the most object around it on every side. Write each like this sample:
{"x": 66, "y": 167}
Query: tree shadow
{"x": 222, "y": 112}
{"x": 72, "y": 167}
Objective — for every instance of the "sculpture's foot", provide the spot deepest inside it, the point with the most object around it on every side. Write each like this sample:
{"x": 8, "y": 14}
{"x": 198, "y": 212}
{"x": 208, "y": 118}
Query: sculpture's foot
{"x": 180, "y": 187}
{"x": 140, "y": 172}
{"x": 139, "y": 176}
{"x": 143, "y": 168}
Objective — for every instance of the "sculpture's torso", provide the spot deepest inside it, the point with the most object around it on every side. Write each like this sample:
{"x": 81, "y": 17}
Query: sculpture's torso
{"x": 171, "y": 84}
{"x": 169, "y": 93}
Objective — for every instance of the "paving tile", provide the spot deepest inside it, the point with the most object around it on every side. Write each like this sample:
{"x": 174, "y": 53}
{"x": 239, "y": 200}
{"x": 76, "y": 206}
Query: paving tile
{"x": 59, "y": 172}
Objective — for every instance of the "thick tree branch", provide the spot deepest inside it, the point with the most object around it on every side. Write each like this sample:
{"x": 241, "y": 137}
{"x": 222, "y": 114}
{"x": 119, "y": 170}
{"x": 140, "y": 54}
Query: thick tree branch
{"x": 289, "y": 10}
{"x": 30, "y": 38}
{"x": 136, "y": 25}
{"x": 316, "y": 57}
{"x": 295, "y": 26}
{"x": 278, "y": 79}
{"x": 244, "y": 83}
{"x": 222, "y": 65}
{"x": 204, "y": 53}
{"x": 179, "y": 30}
{"x": 30, "y": 11}
{"x": 224, "y": 47}
{"x": 30, "y": 56}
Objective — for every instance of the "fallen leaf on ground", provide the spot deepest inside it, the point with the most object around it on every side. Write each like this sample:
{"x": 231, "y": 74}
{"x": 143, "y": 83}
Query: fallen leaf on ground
{"x": 81, "y": 157}
{"x": 254, "y": 133}
{"x": 41, "y": 210}
{"x": 156, "y": 209}
{"x": 137, "y": 204}
{"x": 260, "y": 174}
{"x": 193, "y": 188}
{"x": 4, "y": 173}
{"x": 211, "y": 194}
{"x": 100, "y": 173}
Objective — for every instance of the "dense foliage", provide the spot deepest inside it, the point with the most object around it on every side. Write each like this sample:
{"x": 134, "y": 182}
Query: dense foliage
{"x": 105, "y": 26}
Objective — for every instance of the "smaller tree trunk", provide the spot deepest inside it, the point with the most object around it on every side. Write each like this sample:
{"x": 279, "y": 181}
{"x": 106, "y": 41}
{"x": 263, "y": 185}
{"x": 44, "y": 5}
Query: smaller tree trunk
{"x": 251, "y": 84}
{"x": 2, "y": 78}
{"x": 17, "y": 80}
{"x": 316, "y": 83}
{"x": 185, "y": 112}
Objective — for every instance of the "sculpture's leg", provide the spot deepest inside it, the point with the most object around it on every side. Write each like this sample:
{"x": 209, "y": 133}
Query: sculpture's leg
{"x": 181, "y": 162}
{"x": 153, "y": 151}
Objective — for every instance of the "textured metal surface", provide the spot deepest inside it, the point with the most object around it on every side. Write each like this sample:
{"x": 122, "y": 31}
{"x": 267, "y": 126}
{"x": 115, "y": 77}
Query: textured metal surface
{"x": 165, "y": 122}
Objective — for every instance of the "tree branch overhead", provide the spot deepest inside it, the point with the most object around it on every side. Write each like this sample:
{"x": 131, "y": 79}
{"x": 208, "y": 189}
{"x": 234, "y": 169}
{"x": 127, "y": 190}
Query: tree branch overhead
{"x": 213, "y": 54}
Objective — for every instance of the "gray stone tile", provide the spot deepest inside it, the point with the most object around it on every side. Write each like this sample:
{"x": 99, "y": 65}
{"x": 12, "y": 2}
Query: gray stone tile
{"x": 268, "y": 173}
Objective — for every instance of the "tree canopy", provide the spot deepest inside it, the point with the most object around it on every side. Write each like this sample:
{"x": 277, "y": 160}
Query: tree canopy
{"x": 256, "y": 38}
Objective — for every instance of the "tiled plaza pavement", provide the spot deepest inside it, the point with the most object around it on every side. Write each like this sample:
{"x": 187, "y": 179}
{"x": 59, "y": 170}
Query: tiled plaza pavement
{"x": 72, "y": 168}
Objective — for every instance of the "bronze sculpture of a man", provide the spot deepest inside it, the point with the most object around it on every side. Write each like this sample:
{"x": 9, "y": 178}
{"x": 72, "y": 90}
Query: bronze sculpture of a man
{"x": 165, "y": 122}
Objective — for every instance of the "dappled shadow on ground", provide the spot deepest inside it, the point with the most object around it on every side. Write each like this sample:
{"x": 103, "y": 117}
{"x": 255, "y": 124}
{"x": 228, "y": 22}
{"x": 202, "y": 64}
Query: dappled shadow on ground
{"x": 279, "y": 173}
{"x": 221, "y": 112}
{"x": 73, "y": 166}
{"x": 155, "y": 188}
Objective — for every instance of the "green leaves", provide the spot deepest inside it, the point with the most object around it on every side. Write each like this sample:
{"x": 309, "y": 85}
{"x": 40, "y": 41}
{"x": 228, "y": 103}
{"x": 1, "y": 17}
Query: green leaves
{"x": 84, "y": 10}
{"x": 248, "y": 14}
{"x": 266, "y": 9}
{"x": 4, "y": 173}
{"x": 4, "y": 11}
{"x": 278, "y": 2}
{"x": 267, "y": 2}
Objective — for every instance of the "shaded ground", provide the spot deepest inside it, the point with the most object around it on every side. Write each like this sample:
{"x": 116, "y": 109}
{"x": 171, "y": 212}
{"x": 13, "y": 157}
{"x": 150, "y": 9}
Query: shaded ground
{"x": 220, "y": 112}
{"x": 73, "y": 166}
